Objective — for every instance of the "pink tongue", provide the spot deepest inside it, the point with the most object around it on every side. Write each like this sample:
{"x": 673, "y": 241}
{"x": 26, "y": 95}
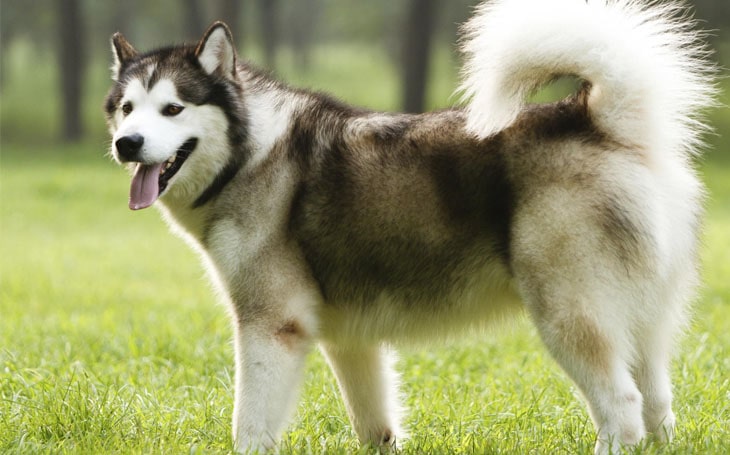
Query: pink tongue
{"x": 145, "y": 186}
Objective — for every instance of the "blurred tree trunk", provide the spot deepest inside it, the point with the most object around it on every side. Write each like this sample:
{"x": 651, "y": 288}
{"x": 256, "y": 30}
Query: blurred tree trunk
{"x": 269, "y": 32}
{"x": 193, "y": 21}
{"x": 418, "y": 30}
{"x": 5, "y": 38}
{"x": 302, "y": 25}
{"x": 230, "y": 13}
{"x": 72, "y": 65}
{"x": 122, "y": 17}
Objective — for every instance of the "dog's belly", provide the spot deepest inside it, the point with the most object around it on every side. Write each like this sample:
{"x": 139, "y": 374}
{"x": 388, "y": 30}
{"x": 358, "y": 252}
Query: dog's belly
{"x": 401, "y": 316}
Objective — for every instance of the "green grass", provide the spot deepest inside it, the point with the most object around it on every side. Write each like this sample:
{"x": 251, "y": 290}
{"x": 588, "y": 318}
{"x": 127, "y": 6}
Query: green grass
{"x": 110, "y": 340}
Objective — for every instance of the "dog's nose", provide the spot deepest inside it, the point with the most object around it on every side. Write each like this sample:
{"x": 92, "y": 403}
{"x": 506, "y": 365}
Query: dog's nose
{"x": 128, "y": 147}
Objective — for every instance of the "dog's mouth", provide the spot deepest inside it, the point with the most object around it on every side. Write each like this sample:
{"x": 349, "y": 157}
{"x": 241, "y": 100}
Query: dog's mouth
{"x": 150, "y": 180}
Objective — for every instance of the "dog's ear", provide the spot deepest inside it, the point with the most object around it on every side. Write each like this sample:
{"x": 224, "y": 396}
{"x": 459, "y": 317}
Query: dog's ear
{"x": 216, "y": 52}
{"x": 123, "y": 52}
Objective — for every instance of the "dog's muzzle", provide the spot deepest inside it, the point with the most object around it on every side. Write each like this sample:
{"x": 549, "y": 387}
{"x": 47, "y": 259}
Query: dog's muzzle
{"x": 149, "y": 180}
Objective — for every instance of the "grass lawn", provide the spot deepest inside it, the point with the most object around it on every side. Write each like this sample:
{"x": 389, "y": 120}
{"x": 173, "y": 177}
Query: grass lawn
{"x": 110, "y": 340}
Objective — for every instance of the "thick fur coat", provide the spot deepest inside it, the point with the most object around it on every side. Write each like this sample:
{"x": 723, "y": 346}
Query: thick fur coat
{"x": 321, "y": 223}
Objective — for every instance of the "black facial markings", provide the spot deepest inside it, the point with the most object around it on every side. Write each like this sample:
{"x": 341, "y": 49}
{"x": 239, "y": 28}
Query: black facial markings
{"x": 112, "y": 100}
{"x": 196, "y": 87}
{"x": 224, "y": 94}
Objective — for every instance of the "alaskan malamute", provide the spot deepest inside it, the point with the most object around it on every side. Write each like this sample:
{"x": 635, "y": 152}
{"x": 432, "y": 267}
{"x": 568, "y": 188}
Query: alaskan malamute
{"x": 327, "y": 224}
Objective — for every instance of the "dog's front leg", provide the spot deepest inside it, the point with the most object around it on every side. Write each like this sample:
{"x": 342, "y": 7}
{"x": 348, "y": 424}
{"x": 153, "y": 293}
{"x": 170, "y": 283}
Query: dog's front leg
{"x": 369, "y": 386}
{"x": 269, "y": 363}
{"x": 267, "y": 381}
{"x": 275, "y": 317}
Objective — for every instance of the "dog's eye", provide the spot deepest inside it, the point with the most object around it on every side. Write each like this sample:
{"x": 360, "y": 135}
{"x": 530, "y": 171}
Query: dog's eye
{"x": 172, "y": 110}
{"x": 127, "y": 108}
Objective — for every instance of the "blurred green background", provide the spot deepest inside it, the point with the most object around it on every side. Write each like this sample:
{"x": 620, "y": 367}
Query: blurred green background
{"x": 55, "y": 53}
{"x": 362, "y": 51}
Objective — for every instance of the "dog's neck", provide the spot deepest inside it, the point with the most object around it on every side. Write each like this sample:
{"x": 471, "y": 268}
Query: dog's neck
{"x": 271, "y": 109}
{"x": 272, "y": 112}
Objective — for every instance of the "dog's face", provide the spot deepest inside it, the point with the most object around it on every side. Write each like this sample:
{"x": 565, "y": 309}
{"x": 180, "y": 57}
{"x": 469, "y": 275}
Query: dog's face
{"x": 166, "y": 115}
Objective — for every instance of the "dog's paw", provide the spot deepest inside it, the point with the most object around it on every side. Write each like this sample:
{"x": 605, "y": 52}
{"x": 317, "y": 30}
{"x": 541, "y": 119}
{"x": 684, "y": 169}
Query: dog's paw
{"x": 249, "y": 445}
{"x": 664, "y": 431}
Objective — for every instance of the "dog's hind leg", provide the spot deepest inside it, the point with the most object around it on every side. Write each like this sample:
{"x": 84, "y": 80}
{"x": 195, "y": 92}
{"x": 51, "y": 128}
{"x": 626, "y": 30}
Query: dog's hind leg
{"x": 670, "y": 287}
{"x": 596, "y": 364}
{"x": 369, "y": 386}
{"x": 583, "y": 303}
{"x": 658, "y": 334}
{"x": 593, "y": 354}
{"x": 652, "y": 377}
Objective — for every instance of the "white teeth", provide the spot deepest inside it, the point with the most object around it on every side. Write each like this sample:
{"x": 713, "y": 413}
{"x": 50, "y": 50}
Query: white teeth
{"x": 168, "y": 164}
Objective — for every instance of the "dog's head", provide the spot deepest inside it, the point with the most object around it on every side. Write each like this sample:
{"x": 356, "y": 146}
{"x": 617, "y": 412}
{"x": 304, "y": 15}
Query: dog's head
{"x": 168, "y": 112}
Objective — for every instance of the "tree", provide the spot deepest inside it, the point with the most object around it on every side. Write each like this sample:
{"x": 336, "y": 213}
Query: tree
{"x": 418, "y": 29}
{"x": 193, "y": 19}
{"x": 122, "y": 16}
{"x": 72, "y": 66}
{"x": 301, "y": 25}
{"x": 269, "y": 31}
{"x": 230, "y": 13}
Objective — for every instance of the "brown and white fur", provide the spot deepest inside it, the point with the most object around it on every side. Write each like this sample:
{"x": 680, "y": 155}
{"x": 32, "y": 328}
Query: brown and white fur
{"x": 358, "y": 231}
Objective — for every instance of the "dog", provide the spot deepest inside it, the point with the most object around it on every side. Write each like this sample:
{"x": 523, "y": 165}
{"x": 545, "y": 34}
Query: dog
{"x": 359, "y": 231}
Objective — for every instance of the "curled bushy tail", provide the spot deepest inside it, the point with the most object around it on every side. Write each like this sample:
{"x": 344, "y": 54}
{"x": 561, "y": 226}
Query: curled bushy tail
{"x": 647, "y": 66}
